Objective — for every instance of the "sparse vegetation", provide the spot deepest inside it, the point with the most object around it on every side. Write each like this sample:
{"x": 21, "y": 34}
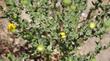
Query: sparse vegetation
{"x": 53, "y": 30}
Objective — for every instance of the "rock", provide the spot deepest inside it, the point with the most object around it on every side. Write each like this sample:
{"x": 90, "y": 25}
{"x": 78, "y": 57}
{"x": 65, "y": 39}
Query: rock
{"x": 105, "y": 40}
{"x": 25, "y": 16}
{"x": 104, "y": 55}
{"x": 3, "y": 5}
{"x": 3, "y": 24}
{"x": 105, "y": 2}
{"x": 88, "y": 46}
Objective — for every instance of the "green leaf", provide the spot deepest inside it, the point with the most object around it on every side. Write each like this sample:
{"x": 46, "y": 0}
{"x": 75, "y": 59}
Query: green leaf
{"x": 93, "y": 59}
{"x": 10, "y": 2}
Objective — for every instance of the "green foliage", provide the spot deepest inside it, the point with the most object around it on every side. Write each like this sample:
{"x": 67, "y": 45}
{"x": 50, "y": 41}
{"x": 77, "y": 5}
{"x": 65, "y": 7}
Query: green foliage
{"x": 107, "y": 24}
{"x": 11, "y": 57}
{"x": 48, "y": 21}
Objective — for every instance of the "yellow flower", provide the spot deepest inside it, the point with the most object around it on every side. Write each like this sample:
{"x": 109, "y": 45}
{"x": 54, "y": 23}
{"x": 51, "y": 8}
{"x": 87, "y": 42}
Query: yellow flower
{"x": 63, "y": 35}
{"x": 40, "y": 48}
{"x": 92, "y": 25}
{"x": 11, "y": 27}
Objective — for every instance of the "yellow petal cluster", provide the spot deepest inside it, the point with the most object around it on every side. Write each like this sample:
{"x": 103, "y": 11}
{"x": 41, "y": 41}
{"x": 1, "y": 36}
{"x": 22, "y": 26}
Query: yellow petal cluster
{"x": 63, "y": 35}
{"x": 92, "y": 25}
{"x": 11, "y": 27}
